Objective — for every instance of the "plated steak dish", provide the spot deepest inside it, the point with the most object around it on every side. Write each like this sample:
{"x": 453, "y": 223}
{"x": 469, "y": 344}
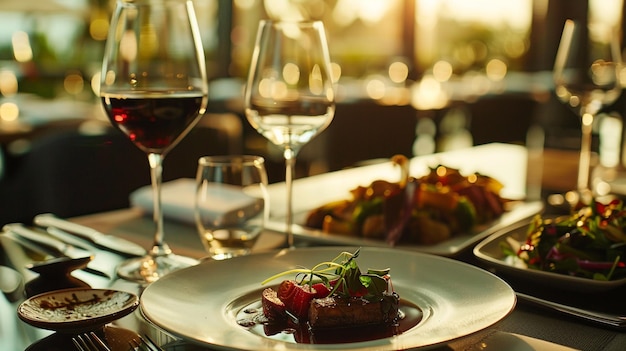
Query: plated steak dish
{"x": 334, "y": 302}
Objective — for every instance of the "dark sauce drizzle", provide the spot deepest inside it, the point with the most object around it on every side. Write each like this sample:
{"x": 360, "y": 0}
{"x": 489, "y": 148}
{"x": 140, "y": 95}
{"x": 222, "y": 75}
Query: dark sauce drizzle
{"x": 252, "y": 318}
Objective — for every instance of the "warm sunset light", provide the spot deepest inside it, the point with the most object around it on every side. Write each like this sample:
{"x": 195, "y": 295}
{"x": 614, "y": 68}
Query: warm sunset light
{"x": 372, "y": 174}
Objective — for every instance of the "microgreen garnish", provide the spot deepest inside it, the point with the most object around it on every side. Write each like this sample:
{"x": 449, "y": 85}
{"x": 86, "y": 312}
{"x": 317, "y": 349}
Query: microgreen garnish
{"x": 342, "y": 276}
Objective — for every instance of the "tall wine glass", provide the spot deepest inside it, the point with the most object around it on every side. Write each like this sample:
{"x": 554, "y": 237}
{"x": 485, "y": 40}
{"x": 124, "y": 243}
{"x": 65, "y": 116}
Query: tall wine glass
{"x": 154, "y": 90}
{"x": 289, "y": 96}
{"x": 586, "y": 77}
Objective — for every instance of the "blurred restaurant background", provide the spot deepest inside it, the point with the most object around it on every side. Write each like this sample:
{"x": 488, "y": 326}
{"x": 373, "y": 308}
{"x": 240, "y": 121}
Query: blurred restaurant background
{"x": 413, "y": 77}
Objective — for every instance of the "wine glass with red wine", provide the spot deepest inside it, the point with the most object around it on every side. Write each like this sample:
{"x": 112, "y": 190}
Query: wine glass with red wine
{"x": 154, "y": 90}
{"x": 586, "y": 78}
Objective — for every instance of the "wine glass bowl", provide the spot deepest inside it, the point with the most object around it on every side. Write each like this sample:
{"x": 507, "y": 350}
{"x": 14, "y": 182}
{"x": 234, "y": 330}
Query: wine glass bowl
{"x": 154, "y": 89}
{"x": 587, "y": 79}
{"x": 289, "y": 96}
{"x": 154, "y": 121}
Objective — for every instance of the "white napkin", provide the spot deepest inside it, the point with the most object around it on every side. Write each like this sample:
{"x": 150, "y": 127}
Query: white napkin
{"x": 178, "y": 201}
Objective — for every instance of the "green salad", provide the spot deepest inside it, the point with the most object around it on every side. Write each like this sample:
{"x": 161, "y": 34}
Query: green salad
{"x": 589, "y": 243}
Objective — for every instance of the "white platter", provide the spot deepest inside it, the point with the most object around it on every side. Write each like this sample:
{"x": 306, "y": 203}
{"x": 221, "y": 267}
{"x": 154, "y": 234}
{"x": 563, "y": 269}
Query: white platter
{"x": 200, "y": 303}
{"x": 519, "y": 212}
{"x": 490, "y": 252}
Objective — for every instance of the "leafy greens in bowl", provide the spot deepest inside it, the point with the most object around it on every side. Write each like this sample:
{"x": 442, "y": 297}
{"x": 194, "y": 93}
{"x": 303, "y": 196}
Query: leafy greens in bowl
{"x": 584, "y": 251}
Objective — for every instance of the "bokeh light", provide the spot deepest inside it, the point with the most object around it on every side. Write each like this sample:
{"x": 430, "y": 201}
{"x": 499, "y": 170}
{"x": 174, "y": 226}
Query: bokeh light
{"x": 375, "y": 87}
{"x": 95, "y": 83}
{"x": 9, "y": 111}
{"x": 429, "y": 94}
{"x": 74, "y": 83}
{"x": 335, "y": 71}
{"x": 8, "y": 83}
{"x": 398, "y": 72}
{"x": 291, "y": 73}
{"x": 496, "y": 69}
{"x": 442, "y": 71}
{"x": 22, "y": 50}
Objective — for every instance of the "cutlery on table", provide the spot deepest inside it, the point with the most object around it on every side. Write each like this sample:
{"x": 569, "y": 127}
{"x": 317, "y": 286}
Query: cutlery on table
{"x": 102, "y": 258}
{"x": 92, "y": 342}
{"x": 104, "y": 241}
{"x": 60, "y": 248}
{"x": 613, "y": 321}
{"x": 144, "y": 344}
{"x": 89, "y": 342}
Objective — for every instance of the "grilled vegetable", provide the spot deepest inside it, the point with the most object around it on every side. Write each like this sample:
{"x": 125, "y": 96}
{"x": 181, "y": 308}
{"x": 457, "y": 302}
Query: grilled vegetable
{"x": 425, "y": 210}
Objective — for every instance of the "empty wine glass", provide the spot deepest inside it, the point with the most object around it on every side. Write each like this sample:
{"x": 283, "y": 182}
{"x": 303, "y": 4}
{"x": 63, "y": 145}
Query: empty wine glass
{"x": 154, "y": 89}
{"x": 586, "y": 77}
{"x": 289, "y": 96}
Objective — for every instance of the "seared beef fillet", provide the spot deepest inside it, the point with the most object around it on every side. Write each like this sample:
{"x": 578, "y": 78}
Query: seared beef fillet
{"x": 338, "y": 312}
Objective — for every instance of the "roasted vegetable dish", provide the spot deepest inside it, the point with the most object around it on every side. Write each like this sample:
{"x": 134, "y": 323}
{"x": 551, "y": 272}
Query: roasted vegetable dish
{"x": 425, "y": 210}
{"x": 589, "y": 243}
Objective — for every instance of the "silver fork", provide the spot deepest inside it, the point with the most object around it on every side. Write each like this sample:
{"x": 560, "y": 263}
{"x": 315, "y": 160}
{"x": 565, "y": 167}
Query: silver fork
{"x": 144, "y": 344}
{"x": 90, "y": 342}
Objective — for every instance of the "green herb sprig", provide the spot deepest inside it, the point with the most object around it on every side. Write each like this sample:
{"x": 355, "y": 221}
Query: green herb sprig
{"x": 346, "y": 275}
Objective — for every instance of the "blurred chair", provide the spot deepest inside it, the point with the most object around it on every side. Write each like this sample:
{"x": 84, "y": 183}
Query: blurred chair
{"x": 503, "y": 118}
{"x": 70, "y": 173}
{"x": 359, "y": 132}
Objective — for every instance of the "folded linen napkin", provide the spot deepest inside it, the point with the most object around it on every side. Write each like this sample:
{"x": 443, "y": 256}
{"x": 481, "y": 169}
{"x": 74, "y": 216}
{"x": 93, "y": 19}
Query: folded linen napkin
{"x": 178, "y": 201}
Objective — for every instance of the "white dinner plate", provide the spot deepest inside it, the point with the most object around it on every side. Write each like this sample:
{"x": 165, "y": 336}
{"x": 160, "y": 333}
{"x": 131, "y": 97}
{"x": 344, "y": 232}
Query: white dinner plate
{"x": 201, "y": 303}
{"x": 490, "y": 252}
{"x": 519, "y": 212}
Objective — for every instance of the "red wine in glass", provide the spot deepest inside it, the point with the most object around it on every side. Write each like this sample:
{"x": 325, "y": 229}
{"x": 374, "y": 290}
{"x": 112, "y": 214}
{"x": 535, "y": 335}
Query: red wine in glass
{"x": 154, "y": 88}
{"x": 153, "y": 122}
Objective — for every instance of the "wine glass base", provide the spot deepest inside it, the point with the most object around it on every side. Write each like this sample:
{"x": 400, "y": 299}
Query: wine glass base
{"x": 148, "y": 269}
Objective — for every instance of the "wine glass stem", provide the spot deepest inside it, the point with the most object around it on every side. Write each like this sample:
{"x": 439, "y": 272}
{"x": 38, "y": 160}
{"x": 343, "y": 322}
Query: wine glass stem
{"x": 159, "y": 248}
{"x": 585, "y": 154}
{"x": 290, "y": 162}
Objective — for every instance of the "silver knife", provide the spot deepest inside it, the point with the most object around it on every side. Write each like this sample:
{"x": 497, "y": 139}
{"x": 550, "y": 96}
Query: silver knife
{"x": 108, "y": 242}
{"x": 103, "y": 259}
{"x": 59, "y": 248}
{"x": 615, "y": 321}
